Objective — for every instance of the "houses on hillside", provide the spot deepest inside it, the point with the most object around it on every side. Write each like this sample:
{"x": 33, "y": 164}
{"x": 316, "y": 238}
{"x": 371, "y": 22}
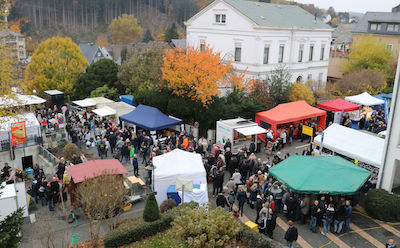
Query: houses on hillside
{"x": 93, "y": 52}
{"x": 259, "y": 37}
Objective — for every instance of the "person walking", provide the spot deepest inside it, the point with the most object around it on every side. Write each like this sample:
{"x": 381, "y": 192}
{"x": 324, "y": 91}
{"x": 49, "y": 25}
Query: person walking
{"x": 348, "y": 212}
{"x": 291, "y": 235}
{"x": 315, "y": 210}
{"x": 242, "y": 199}
{"x": 135, "y": 165}
{"x": 49, "y": 196}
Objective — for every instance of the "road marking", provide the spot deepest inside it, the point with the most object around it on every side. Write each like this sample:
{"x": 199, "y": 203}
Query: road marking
{"x": 337, "y": 240}
{"x": 300, "y": 240}
{"x": 366, "y": 236}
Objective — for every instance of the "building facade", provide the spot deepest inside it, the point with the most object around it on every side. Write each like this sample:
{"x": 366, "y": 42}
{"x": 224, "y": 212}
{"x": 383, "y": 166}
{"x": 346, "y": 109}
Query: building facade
{"x": 16, "y": 42}
{"x": 259, "y": 37}
{"x": 93, "y": 52}
{"x": 384, "y": 26}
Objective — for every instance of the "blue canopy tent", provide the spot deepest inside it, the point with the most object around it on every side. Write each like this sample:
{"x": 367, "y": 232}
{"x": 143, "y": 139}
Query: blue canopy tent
{"x": 387, "y": 98}
{"x": 149, "y": 118}
{"x": 127, "y": 99}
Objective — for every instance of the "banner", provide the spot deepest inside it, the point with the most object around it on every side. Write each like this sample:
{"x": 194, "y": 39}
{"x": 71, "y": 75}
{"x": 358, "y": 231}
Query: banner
{"x": 18, "y": 133}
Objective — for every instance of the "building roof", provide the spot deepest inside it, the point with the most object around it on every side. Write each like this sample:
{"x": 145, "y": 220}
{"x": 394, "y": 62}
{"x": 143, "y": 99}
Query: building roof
{"x": 89, "y": 51}
{"x": 383, "y": 17}
{"x": 277, "y": 15}
{"x": 53, "y": 92}
{"x": 339, "y": 105}
{"x": 95, "y": 168}
{"x": 343, "y": 33}
{"x": 7, "y": 32}
{"x": 179, "y": 43}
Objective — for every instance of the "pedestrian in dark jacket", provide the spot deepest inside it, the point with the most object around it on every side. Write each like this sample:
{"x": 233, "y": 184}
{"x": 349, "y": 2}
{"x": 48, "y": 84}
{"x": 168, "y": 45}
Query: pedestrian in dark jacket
{"x": 259, "y": 205}
{"x": 135, "y": 165}
{"x": 315, "y": 210}
{"x": 221, "y": 200}
{"x": 242, "y": 198}
{"x": 49, "y": 196}
{"x": 291, "y": 235}
{"x": 339, "y": 218}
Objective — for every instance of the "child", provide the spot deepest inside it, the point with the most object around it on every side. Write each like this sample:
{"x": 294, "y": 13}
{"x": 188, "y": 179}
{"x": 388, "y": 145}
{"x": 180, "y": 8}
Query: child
{"x": 231, "y": 199}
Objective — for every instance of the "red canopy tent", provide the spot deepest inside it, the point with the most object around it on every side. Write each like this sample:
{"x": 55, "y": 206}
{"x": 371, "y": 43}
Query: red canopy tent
{"x": 292, "y": 112}
{"x": 339, "y": 105}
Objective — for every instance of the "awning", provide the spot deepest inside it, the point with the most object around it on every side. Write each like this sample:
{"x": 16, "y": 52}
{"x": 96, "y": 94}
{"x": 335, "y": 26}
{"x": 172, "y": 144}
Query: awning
{"x": 339, "y": 105}
{"x": 364, "y": 99}
{"x": 104, "y": 111}
{"x": 84, "y": 103}
{"x": 352, "y": 143}
{"x": 252, "y": 130}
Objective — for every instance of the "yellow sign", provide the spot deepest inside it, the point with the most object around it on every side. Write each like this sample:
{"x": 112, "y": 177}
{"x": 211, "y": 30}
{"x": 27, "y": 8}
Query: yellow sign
{"x": 307, "y": 131}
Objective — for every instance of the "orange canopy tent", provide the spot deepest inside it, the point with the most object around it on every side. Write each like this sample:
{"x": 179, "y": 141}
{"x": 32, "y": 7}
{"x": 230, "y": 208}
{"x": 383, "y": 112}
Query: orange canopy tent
{"x": 292, "y": 112}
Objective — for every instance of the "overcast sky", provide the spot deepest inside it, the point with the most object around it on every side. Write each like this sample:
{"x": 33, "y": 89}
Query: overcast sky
{"x": 355, "y": 5}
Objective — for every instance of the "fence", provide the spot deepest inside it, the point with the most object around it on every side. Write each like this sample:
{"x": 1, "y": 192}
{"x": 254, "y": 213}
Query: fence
{"x": 48, "y": 155}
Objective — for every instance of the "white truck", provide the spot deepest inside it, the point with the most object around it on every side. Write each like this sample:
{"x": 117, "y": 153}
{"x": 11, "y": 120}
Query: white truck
{"x": 239, "y": 131}
{"x": 12, "y": 197}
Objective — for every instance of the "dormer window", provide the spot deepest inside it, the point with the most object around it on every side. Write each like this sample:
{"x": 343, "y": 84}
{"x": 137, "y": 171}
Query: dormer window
{"x": 220, "y": 18}
{"x": 375, "y": 26}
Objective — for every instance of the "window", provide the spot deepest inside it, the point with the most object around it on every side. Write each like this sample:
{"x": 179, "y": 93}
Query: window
{"x": 220, "y": 18}
{"x": 320, "y": 76}
{"x": 390, "y": 28}
{"x": 301, "y": 51}
{"x": 375, "y": 26}
{"x": 322, "y": 55}
{"x": 311, "y": 54}
{"x": 266, "y": 55}
{"x": 389, "y": 47}
{"x": 238, "y": 52}
{"x": 202, "y": 45}
{"x": 281, "y": 53}
{"x": 396, "y": 28}
{"x": 309, "y": 77}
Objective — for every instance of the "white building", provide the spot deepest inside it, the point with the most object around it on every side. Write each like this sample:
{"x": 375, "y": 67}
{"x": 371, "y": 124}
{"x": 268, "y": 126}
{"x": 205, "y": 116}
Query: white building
{"x": 16, "y": 41}
{"x": 389, "y": 176}
{"x": 261, "y": 36}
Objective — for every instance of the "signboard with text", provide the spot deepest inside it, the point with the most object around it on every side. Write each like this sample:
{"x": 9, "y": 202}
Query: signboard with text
{"x": 18, "y": 133}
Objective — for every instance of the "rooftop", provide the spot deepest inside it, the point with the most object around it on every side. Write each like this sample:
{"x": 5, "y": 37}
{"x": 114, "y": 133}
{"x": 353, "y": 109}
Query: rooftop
{"x": 380, "y": 17}
{"x": 8, "y": 32}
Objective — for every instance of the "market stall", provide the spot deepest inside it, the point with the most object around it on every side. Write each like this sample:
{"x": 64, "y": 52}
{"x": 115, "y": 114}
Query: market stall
{"x": 337, "y": 107}
{"x": 99, "y": 101}
{"x": 292, "y": 113}
{"x": 84, "y": 103}
{"x": 364, "y": 99}
{"x": 358, "y": 145}
{"x": 120, "y": 108}
{"x": 104, "y": 111}
{"x": 239, "y": 131}
{"x": 32, "y": 128}
{"x": 20, "y": 100}
{"x": 331, "y": 175}
{"x": 180, "y": 164}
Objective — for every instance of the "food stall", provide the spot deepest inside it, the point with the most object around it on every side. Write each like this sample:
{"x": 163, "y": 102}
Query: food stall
{"x": 337, "y": 107}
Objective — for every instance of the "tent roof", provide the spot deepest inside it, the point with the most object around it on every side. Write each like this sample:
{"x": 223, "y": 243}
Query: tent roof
{"x": 84, "y": 103}
{"x": 364, "y": 99}
{"x": 20, "y": 100}
{"x": 99, "y": 100}
{"x": 339, "y": 105}
{"x": 246, "y": 131}
{"x": 149, "y": 118}
{"x": 120, "y": 106}
{"x": 94, "y": 168}
{"x": 354, "y": 144}
{"x": 292, "y": 111}
{"x": 29, "y": 118}
{"x": 104, "y": 111}
{"x": 178, "y": 163}
{"x": 53, "y": 92}
{"x": 383, "y": 96}
{"x": 320, "y": 175}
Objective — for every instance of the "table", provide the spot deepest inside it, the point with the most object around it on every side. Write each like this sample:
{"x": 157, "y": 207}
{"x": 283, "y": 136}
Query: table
{"x": 135, "y": 180}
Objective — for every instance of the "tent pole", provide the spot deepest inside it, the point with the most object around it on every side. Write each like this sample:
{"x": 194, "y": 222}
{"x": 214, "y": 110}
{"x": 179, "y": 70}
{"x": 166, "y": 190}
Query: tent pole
{"x": 183, "y": 193}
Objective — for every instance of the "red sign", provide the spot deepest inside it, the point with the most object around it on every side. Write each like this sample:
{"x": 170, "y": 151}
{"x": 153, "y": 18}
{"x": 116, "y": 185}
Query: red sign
{"x": 18, "y": 133}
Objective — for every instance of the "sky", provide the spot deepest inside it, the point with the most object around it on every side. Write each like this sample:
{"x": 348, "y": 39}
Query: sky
{"x": 355, "y": 5}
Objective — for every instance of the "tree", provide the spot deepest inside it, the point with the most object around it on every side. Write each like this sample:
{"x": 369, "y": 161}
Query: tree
{"x": 198, "y": 74}
{"x": 317, "y": 88}
{"x": 10, "y": 228}
{"x": 151, "y": 211}
{"x": 102, "y": 40}
{"x": 359, "y": 81}
{"x": 124, "y": 54}
{"x": 100, "y": 73}
{"x": 147, "y": 36}
{"x": 369, "y": 53}
{"x": 171, "y": 33}
{"x": 142, "y": 69}
{"x": 56, "y": 64}
{"x": 125, "y": 29}
{"x": 299, "y": 91}
{"x": 105, "y": 91}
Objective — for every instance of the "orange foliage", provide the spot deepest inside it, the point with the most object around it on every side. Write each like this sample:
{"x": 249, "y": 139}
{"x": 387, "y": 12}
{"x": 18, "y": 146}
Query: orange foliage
{"x": 198, "y": 75}
{"x": 102, "y": 40}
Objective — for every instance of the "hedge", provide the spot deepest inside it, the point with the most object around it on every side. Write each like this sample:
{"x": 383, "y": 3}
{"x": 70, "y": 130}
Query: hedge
{"x": 382, "y": 205}
{"x": 255, "y": 239}
{"x": 122, "y": 236}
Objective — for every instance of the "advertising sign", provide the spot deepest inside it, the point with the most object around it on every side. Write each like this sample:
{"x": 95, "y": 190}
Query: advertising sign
{"x": 18, "y": 133}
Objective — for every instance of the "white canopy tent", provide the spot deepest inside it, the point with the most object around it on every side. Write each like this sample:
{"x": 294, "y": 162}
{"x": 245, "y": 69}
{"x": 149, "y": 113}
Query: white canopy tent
{"x": 84, "y": 103}
{"x": 252, "y": 130}
{"x": 178, "y": 163}
{"x": 354, "y": 144}
{"x": 120, "y": 108}
{"x": 364, "y": 99}
{"x": 31, "y": 124}
{"x": 20, "y": 100}
{"x": 104, "y": 111}
{"x": 99, "y": 101}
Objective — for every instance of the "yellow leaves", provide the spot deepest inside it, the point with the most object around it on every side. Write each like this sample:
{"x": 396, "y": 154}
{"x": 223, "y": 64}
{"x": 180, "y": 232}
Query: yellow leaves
{"x": 102, "y": 40}
{"x": 125, "y": 29}
{"x": 56, "y": 64}
{"x": 198, "y": 75}
{"x": 299, "y": 91}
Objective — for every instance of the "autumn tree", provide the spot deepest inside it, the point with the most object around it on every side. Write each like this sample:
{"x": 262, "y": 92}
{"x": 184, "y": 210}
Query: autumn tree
{"x": 105, "y": 91}
{"x": 125, "y": 29}
{"x": 142, "y": 69}
{"x": 299, "y": 91}
{"x": 102, "y": 40}
{"x": 369, "y": 53}
{"x": 56, "y": 64}
{"x": 100, "y": 73}
{"x": 318, "y": 89}
{"x": 198, "y": 74}
{"x": 359, "y": 81}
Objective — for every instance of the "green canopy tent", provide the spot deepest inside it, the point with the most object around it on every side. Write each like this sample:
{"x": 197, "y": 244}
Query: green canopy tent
{"x": 320, "y": 175}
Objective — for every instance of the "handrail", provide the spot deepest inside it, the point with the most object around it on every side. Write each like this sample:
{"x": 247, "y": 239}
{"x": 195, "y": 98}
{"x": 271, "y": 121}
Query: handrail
{"x": 48, "y": 155}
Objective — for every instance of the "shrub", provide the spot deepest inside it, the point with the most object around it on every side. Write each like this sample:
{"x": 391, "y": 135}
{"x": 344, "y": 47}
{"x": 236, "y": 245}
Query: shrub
{"x": 167, "y": 205}
{"x": 382, "y": 205}
{"x": 182, "y": 209}
{"x": 69, "y": 151}
{"x": 203, "y": 227}
{"x": 254, "y": 239}
{"x": 126, "y": 234}
{"x": 151, "y": 210}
